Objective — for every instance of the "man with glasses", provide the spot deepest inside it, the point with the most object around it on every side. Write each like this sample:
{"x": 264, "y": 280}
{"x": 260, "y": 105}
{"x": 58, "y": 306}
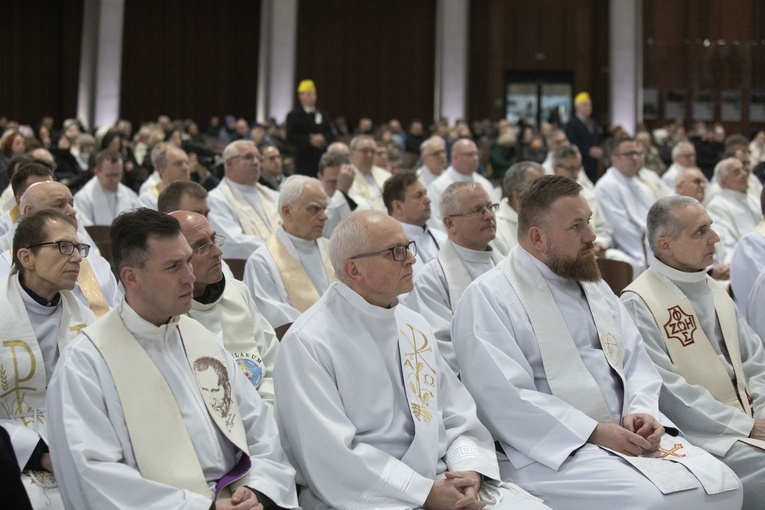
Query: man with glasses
{"x": 147, "y": 408}
{"x": 241, "y": 209}
{"x": 172, "y": 164}
{"x": 368, "y": 410}
{"x": 625, "y": 199}
{"x": 470, "y": 220}
{"x": 224, "y": 306}
{"x": 433, "y": 157}
{"x": 515, "y": 178}
{"x": 464, "y": 167}
{"x": 367, "y": 187}
{"x": 292, "y": 270}
{"x": 104, "y": 196}
{"x": 337, "y": 176}
{"x": 683, "y": 156}
{"x": 39, "y": 316}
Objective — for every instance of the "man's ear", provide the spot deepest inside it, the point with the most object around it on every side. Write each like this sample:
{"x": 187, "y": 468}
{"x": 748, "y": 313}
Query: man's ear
{"x": 26, "y": 258}
{"x": 353, "y": 270}
{"x": 664, "y": 246}
{"x": 128, "y": 277}
{"x": 537, "y": 238}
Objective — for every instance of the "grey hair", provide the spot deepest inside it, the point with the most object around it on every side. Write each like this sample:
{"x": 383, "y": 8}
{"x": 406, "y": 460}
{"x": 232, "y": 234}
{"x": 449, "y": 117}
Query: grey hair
{"x": 292, "y": 188}
{"x": 332, "y": 159}
{"x": 350, "y": 237}
{"x": 159, "y": 148}
{"x": 565, "y": 152}
{"x": 516, "y": 174}
{"x": 450, "y": 200}
{"x": 681, "y": 171}
{"x": 425, "y": 146}
{"x": 549, "y": 136}
{"x": 721, "y": 169}
{"x": 663, "y": 220}
{"x": 679, "y": 146}
{"x": 232, "y": 149}
{"x": 356, "y": 139}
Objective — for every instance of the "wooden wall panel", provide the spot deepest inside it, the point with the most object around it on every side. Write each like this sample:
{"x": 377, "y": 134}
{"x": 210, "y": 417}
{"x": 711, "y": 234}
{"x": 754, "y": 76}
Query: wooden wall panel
{"x": 190, "y": 59}
{"x": 40, "y": 59}
{"x": 536, "y": 35}
{"x": 369, "y": 59}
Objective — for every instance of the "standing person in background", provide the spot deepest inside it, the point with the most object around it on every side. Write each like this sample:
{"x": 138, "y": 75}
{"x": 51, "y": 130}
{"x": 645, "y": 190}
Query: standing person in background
{"x": 309, "y": 130}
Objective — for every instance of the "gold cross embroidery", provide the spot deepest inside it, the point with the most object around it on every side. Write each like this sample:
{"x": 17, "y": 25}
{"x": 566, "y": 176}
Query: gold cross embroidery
{"x": 667, "y": 453}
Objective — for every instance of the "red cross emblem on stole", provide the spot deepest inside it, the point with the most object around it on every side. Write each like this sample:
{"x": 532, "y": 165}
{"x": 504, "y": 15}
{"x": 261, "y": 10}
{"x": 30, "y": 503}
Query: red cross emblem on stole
{"x": 680, "y": 326}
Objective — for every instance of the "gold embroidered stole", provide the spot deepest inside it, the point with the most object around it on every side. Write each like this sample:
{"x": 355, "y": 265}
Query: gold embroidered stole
{"x": 162, "y": 447}
{"x": 252, "y": 223}
{"x": 14, "y": 213}
{"x": 300, "y": 289}
{"x": 457, "y": 276}
{"x": 688, "y": 346}
{"x": 363, "y": 189}
{"x": 91, "y": 289}
{"x": 157, "y": 189}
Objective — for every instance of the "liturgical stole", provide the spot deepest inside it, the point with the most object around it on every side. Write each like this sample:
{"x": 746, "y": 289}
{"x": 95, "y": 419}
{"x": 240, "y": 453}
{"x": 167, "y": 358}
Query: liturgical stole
{"x": 251, "y": 222}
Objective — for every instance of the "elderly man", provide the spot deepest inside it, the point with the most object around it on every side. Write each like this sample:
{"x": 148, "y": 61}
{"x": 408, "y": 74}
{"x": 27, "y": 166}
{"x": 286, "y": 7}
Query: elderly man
{"x": 271, "y": 174}
{"x": 625, "y": 199}
{"x": 683, "y": 156}
{"x": 711, "y": 362}
{"x": 184, "y": 196}
{"x": 224, "y": 306}
{"x": 308, "y": 130}
{"x": 731, "y": 207}
{"x": 408, "y": 203}
{"x": 368, "y": 183}
{"x": 424, "y": 447}
{"x": 172, "y": 164}
{"x": 561, "y": 379}
{"x": 554, "y": 139}
{"x": 336, "y": 175}
{"x": 292, "y": 270}
{"x": 433, "y": 157}
{"x": 144, "y": 363}
{"x": 241, "y": 209}
{"x": 96, "y": 286}
{"x": 469, "y": 216}
{"x": 151, "y": 162}
{"x": 516, "y": 177}
{"x": 39, "y": 316}
{"x": 104, "y": 197}
{"x": 583, "y": 132}
{"x": 463, "y": 168}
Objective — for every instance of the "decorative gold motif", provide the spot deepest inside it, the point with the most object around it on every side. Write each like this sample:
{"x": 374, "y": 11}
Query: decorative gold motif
{"x": 77, "y": 328}
{"x": 422, "y": 376}
{"x": 612, "y": 349}
{"x": 671, "y": 452}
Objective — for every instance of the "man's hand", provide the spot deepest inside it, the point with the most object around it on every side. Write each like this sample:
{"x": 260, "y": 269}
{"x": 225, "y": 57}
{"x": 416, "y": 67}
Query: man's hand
{"x": 317, "y": 140}
{"x": 345, "y": 178}
{"x": 758, "y": 431}
{"x": 242, "y": 499}
{"x": 619, "y": 439}
{"x": 46, "y": 464}
{"x": 645, "y": 426}
{"x": 721, "y": 272}
{"x": 457, "y": 490}
{"x": 595, "y": 152}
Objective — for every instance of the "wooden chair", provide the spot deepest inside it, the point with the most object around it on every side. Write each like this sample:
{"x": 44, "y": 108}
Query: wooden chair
{"x": 237, "y": 267}
{"x": 101, "y": 234}
{"x": 616, "y": 273}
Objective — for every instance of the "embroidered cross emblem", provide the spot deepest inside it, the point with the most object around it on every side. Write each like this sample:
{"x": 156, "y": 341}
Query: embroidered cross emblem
{"x": 671, "y": 452}
{"x": 680, "y": 326}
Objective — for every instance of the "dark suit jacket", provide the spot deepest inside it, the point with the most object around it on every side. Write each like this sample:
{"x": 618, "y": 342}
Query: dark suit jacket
{"x": 300, "y": 125}
{"x": 578, "y": 134}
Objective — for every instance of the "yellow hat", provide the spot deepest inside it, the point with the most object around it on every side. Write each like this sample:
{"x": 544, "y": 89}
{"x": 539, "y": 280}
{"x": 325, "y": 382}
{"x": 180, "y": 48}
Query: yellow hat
{"x": 582, "y": 97}
{"x": 306, "y": 86}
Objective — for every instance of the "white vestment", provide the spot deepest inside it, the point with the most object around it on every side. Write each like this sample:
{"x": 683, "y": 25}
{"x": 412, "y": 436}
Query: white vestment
{"x": 225, "y": 219}
{"x": 243, "y": 332}
{"x": 737, "y": 213}
{"x": 437, "y": 187}
{"x": 150, "y": 182}
{"x": 755, "y": 304}
{"x": 263, "y": 278}
{"x": 7, "y": 200}
{"x": 434, "y": 289}
{"x": 98, "y": 206}
{"x": 337, "y": 209}
{"x": 369, "y": 413}
{"x": 545, "y": 437}
{"x": 428, "y": 243}
{"x": 669, "y": 177}
{"x": 366, "y": 189}
{"x": 701, "y": 418}
{"x": 507, "y": 228}
{"x": 92, "y": 450}
{"x": 149, "y": 198}
{"x": 625, "y": 201}
{"x": 654, "y": 183}
{"x": 425, "y": 176}
{"x": 747, "y": 262}
{"x": 33, "y": 336}
{"x": 6, "y": 222}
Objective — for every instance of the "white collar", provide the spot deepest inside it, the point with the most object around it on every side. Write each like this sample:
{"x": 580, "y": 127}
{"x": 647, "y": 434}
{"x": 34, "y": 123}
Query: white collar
{"x": 677, "y": 275}
{"x": 473, "y": 255}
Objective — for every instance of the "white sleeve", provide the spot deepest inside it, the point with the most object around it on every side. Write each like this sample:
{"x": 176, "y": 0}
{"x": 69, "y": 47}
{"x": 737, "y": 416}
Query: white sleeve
{"x": 225, "y": 222}
{"x": 264, "y": 283}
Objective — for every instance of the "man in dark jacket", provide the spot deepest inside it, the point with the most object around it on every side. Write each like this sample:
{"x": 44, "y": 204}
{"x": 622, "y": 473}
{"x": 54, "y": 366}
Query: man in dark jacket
{"x": 308, "y": 129}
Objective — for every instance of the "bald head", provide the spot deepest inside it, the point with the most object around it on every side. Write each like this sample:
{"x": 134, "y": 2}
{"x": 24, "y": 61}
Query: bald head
{"x": 48, "y": 195}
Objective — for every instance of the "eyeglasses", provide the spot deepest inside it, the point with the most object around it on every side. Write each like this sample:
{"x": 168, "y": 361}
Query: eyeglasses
{"x": 631, "y": 154}
{"x": 250, "y": 156}
{"x": 478, "y": 211}
{"x": 399, "y": 252}
{"x": 217, "y": 240}
{"x": 66, "y": 247}
{"x": 436, "y": 153}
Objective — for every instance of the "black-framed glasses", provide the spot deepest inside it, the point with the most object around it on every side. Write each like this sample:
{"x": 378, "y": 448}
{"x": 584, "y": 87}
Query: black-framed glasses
{"x": 399, "y": 251}
{"x": 478, "y": 211}
{"x": 217, "y": 239}
{"x": 66, "y": 247}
